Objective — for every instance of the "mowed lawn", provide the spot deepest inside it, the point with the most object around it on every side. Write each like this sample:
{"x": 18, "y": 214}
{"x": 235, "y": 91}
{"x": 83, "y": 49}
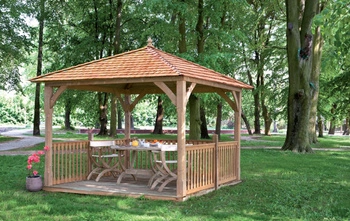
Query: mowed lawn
{"x": 276, "y": 185}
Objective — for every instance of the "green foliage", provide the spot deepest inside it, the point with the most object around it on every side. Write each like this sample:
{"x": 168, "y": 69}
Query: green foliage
{"x": 14, "y": 43}
{"x": 240, "y": 36}
{"x": 15, "y": 110}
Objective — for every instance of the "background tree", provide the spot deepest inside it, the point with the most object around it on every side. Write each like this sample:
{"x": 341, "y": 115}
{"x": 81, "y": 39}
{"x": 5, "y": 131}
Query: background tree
{"x": 300, "y": 58}
{"x": 158, "y": 124}
{"x": 334, "y": 81}
{"x": 41, "y": 16}
{"x": 15, "y": 43}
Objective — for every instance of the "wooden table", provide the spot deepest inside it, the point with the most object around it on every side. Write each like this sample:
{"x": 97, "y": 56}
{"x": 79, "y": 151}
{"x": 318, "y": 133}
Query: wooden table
{"x": 130, "y": 170}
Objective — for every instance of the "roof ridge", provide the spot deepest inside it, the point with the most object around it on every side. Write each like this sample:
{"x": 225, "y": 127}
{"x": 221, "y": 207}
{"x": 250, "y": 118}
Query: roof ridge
{"x": 193, "y": 63}
{"x": 155, "y": 51}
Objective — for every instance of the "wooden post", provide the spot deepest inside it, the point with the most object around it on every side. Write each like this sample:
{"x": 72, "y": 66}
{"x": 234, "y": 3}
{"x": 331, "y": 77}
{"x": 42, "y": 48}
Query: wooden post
{"x": 127, "y": 128}
{"x": 181, "y": 138}
{"x": 127, "y": 117}
{"x": 48, "y": 179}
{"x": 237, "y": 133}
{"x": 216, "y": 161}
{"x": 90, "y": 134}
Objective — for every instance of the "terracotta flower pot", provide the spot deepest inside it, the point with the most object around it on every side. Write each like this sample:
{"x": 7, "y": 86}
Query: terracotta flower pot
{"x": 34, "y": 183}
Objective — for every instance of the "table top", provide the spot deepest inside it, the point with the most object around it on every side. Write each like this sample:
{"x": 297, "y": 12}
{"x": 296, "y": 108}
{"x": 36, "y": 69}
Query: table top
{"x": 142, "y": 148}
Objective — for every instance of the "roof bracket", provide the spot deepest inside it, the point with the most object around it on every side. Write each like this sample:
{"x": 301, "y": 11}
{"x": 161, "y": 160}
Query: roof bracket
{"x": 56, "y": 94}
{"x": 232, "y": 103}
{"x": 166, "y": 90}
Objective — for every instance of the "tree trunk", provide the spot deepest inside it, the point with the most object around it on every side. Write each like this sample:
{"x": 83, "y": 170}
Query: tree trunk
{"x": 199, "y": 28}
{"x": 204, "y": 127}
{"x": 182, "y": 31}
{"x": 36, "y": 120}
{"x": 320, "y": 126}
{"x": 247, "y": 125}
{"x": 195, "y": 124}
{"x": 119, "y": 113}
{"x": 257, "y": 128}
{"x": 132, "y": 125}
{"x": 158, "y": 124}
{"x": 331, "y": 129}
{"x": 346, "y": 127}
{"x": 275, "y": 128}
{"x": 299, "y": 51}
{"x": 218, "y": 120}
{"x": 113, "y": 127}
{"x": 67, "y": 113}
{"x": 265, "y": 111}
{"x": 315, "y": 78}
{"x": 118, "y": 27}
{"x": 103, "y": 114}
{"x": 256, "y": 97}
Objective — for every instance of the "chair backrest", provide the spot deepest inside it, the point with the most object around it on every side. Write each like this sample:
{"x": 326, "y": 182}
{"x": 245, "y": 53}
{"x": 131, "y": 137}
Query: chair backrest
{"x": 101, "y": 143}
{"x": 169, "y": 147}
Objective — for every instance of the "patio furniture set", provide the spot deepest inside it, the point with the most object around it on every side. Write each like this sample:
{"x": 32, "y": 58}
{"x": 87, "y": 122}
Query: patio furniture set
{"x": 108, "y": 159}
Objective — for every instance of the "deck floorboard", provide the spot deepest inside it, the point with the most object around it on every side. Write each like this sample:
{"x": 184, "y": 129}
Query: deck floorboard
{"x": 109, "y": 186}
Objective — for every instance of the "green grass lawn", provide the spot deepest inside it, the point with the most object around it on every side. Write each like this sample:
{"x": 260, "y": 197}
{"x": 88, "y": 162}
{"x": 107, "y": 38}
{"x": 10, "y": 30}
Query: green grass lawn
{"x": 276, "y": 186}
{"x": 5, "y": 138}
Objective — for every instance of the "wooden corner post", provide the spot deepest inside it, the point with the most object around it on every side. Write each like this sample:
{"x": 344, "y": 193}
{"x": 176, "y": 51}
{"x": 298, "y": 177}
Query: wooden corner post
{"x": 48, "y": 108}
{"x": 181, "y": 139}
{"x": 237, "y": 131}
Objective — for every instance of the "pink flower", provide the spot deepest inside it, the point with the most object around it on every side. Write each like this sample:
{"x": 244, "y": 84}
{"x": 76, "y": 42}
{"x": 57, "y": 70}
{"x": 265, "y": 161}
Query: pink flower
{"x": 35, "y": 158}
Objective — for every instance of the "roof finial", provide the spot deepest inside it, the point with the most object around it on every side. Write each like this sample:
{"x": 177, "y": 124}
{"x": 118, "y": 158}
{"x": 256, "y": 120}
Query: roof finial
{"x": 149, "y": 41}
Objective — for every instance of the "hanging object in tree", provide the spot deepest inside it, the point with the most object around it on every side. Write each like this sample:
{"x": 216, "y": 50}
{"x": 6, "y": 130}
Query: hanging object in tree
{"x": 304, "y": 53}
{"x": 312, "y": 85}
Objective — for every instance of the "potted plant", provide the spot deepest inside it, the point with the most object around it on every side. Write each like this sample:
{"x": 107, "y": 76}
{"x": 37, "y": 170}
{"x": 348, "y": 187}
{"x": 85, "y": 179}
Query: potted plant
{"x": 34, "y": 181}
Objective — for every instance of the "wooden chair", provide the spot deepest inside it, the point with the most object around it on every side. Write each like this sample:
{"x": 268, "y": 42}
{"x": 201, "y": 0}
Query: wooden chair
{"x": 163, "y": 174}
{"x": 103, "y": 160}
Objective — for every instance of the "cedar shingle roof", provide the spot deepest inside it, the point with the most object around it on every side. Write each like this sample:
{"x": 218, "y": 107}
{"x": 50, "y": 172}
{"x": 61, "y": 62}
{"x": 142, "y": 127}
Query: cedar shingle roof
{"x": 144, "y": 65}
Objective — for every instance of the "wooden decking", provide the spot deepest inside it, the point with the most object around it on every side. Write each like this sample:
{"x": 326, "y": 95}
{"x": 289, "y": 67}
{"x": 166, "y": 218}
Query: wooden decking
{"x": 209, "y": 165}
{"x": 108, "y": 186}
{"x": 128, "y": 188}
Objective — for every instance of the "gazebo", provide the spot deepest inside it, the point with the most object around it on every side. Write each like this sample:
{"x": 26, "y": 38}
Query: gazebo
{"x": 147, "y": 70}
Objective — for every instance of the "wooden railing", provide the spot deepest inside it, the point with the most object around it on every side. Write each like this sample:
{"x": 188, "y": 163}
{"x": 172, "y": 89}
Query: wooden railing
{"x": 70, "y": 161}
{"x": 209, "y": 164}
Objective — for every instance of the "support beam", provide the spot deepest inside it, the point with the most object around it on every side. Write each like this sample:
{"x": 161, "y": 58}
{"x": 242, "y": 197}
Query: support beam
{"x": 137, "y": 99}
{"x": 167, "y": 91}
{"x": 232, "y": 103}
{"x": 127, "y": 117}
{"x": 128, "y": 107}
{"x": 189, "y": 91}
{"x": 55, "y": 96}
{"x": 48, "y": 179}
{"x": 181, "y": 139}
{"x": 237, "y": 131}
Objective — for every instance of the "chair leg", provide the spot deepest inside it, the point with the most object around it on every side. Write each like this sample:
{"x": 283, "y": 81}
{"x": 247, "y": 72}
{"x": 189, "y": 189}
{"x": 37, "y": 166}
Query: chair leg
{"x": 159, "y": 180}
{"x": 113, "y": 171}
{"x": 160, "y": 189}
{"x": 94, "y": 171}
